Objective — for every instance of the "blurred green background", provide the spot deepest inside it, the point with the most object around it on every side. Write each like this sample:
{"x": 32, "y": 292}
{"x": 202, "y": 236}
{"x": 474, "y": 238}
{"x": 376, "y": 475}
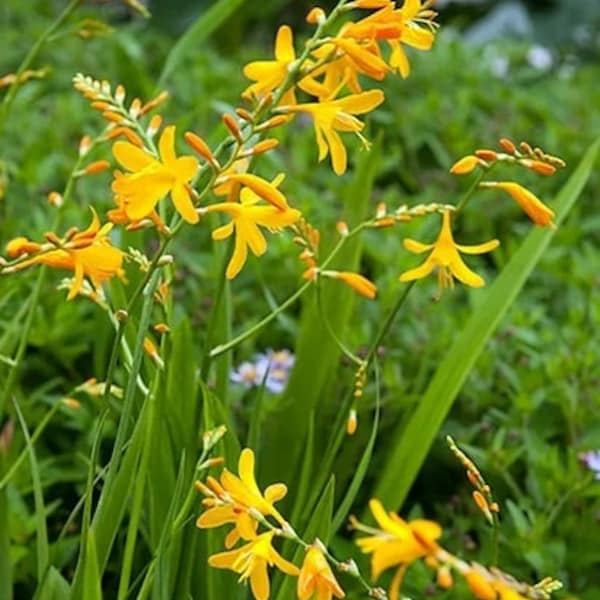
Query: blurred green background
{"x": 524, "y": 70}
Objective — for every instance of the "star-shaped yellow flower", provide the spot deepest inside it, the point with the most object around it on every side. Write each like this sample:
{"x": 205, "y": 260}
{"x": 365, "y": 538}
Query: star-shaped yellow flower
{"x": 396, "y": 543}
{"x": 316, "y": 578}
{"x": 270, "y": 74}
{"x": 150, "y": 179}
{"x": 251, "y": 562}
{"x": 446, "y": 257}
{"x": 247, "y": 215}
{"x": 338, "y": 115}
{"x": 87, "y": 253}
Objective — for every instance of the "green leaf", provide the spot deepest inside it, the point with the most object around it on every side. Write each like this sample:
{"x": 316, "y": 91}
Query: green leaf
{"x": 55, "y": 587}
{"x": 5, "y": 559}
{"x": 204, "y": 26}
{"x": 317, "y": 355}
{"x": 92, "y": 580}
{"x": 413, "y": 441}
{"x": 43, "y": 551}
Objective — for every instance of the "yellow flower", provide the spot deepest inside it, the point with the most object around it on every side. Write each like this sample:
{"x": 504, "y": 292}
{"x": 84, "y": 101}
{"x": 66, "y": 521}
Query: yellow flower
{"x": 242, "y": 493}
{"x": 338, "y": 115}
{"x": 532, "y": 206}
{"x": 446, "y": 257}
{"x": 87, "y": 253}
{"x": 397, "y": 27}
{"x": 316, "y": 578}
{"x": 246, "y": 217}
{"x": 397, "y": 543}
{"x": 251, "y": 562}
{"x": 270, "y": 74}
{"x": 151, "y": 179}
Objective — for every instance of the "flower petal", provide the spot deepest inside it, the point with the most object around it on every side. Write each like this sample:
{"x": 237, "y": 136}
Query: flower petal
{"x": 183, "y": 203}
{"x": 131, "y": 157}
{"x": 416, "y": 247}
{"x": 166, "y": 145}
{"x": 284, "y": 45}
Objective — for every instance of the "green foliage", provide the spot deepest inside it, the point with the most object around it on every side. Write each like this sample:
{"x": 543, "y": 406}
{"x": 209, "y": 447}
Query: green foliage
{"x": 518, "y": 385}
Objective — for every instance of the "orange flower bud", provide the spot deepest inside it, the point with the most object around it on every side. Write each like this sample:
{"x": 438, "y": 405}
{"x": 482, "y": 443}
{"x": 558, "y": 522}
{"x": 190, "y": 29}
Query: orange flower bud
{"x": 112, "y": 116}
{"x": 71, "y": 403}
{"x": 55, "y": 199}
{"x": 120, "y": 93}
{"x": 131, "y": 135}
{"x": 84, "y": 145}
{"x": 465, "y": 165}
{"x": 200, "y": 146}
{"x": 162, "y": 328}
{"x": 242, "y": 113}
{"x": 385, "y": 222}
{"x": 316, "y": 16}
{"x": 444, "y": 578}
{"x": 479, "y": 585}
{"x": 101, "y": 105}
{"x": 357, "y": 282}
{"x": 265, "y": 145}
{"x": 508, "y": 145}
{"x": 96, "y": 167}
{"x": 273, "y": 122}
{"x": 525, "y": 147}
{"x": 233, "y": 126}
{"x": 342, "y": 228}
{"x": 154, "y": 125}
{"x": 488, "y": 155}
{"x": 352, "y": 423}
{"x": 20, "y": 246}
{"x": 538, "y": 166}
{"x": 152, "y": 104}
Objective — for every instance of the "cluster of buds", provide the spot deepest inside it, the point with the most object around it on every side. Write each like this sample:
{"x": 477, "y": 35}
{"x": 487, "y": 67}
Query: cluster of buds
{"x": 123, "y": 120}
{"x": 12, "y": 78}
{"x": 482, "y": 494}
{"x": 534, "y": 159}
{"x": 308, "y": 238}
{"x": 405, "y": 213}
{"x": 360, "y": 378}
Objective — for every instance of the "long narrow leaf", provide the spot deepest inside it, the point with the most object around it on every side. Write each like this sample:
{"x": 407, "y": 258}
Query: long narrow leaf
{"x": 413, "y": 441}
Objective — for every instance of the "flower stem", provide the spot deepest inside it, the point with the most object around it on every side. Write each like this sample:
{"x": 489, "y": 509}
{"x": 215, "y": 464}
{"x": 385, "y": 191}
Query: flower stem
{"x": 31, "y": 56}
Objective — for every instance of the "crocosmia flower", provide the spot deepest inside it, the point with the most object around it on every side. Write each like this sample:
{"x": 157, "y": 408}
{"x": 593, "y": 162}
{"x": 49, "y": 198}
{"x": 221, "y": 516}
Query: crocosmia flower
{"x": 445, "y": 256}
{"x": 150, "y": 179}
{"x": 89, "y": 254}
{"x": 316, "y": 579}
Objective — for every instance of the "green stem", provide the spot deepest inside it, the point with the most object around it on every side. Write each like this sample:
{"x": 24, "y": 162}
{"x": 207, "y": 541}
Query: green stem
{"x": 31, "y": 56}
{"x": 462, "y": 204}
{"x": 138, "y": 496}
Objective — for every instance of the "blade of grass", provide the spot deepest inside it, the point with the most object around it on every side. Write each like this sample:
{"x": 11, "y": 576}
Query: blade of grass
{"x": 204, "y": 26}
{"x": 413, "y": 441}
{"x": 43, "y": 549}
{"x": 92, "y": 582}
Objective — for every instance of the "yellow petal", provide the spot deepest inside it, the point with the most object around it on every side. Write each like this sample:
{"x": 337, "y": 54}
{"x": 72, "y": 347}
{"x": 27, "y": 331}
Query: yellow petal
{"x": 464, "y": 274}
{"x": 225, "y": 560}
{"x": 259, "y": 580}
{"x": 215, "y": 517}
{"x": 418, "y": 272}
{"x": 131, "y": 157}
{"x": 362, "y": 103}
{"x": 417, "y": 37}
{"x": 284, "y": 45}
{"x": 183, "y": 203}
{"x": 398, "y": 60}
{"x": 275, "y": 492}
{"x": 246, "y": 470}
{"x": 416, "y": 247}
{"x": 479, "y": 248}
{"x": 185, "y": 168}
{"x": 339, "y": 157}
{"x": 223, "y": 232}
{"x": 464, "y": 165}
{"x": 166, "y": 145}
{"x": 77, "y": 281}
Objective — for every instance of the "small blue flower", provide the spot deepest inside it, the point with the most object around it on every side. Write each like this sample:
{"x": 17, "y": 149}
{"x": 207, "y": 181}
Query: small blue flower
{"x": 591, "y": 460}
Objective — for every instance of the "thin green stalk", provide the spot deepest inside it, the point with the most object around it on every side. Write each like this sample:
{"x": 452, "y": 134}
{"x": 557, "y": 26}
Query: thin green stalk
{"x": 138, "y": 495}
{"x": 462, "y": 204}
{"x": 31, "y": 56}
{"x": 218, "y": 350}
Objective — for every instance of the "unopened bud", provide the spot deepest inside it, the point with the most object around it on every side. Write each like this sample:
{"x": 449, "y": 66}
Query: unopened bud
{"x": 122, "y": 315}
{"x": 316, "y": 16}
{"x": 154, "y": 125}
{"x": 242, "y": 113}
{"x": 120, "y": 94}
{"x": 273, "y": 122}
{"x": 488, "y": 155}
{"x": 84, "y": 145}
{"x": 212, "y": 437}
{"x": 444, "y": 578}
{"x": 264, "y": 146}
{"x": 508, "y": 146}
{"x": 96, "y": 167}
{"x": 233, "y": 127}
{"x": 538, "y": 166}
{"x": 161, "y": 328}
{"x": 55, "y": 199}
{"x": 201, "y": 147}
{"x": 342, "y": 228}
{"x": 71, "y": 403}
{"x": 352, "y": 423}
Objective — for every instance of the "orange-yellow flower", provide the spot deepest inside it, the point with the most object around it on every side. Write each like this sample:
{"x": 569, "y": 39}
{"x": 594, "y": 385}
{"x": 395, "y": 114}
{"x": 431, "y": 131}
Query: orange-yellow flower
{"x": 87, "y": 253}
{"x": 397, "y": 543}
{"x": 251, "y": 562}
{"x": 446, "y": 257}
{"x": 532, "y": 206}
{"x": 150, "y": 179}
{"x": 246, "y": 217}
{"x": 338, "y": 115}
{"x": 270, "y": 74}
{"x": 243, "y": 493}
{"x": 316, "y": 579}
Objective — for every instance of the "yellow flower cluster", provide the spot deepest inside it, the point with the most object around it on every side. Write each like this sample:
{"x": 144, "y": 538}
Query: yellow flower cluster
{"x": 238, "y": 501}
